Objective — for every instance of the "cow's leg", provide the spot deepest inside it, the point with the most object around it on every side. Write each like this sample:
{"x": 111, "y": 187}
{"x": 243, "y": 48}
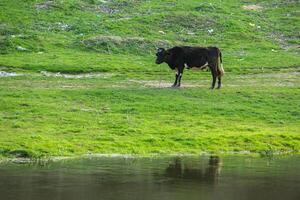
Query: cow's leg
{"x": 219, "y": 82}
{"x": 214, "y": 76}
{"x": 176, "y": 78}
{"x": 180, "y": 71}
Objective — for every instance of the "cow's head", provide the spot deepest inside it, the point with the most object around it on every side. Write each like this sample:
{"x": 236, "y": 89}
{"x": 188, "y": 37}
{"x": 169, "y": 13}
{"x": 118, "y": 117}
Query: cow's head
{"x": 161, "y": 55}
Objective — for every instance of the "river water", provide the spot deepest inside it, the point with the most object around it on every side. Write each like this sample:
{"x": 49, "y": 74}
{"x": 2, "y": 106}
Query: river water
{"x": 170, "y": 178}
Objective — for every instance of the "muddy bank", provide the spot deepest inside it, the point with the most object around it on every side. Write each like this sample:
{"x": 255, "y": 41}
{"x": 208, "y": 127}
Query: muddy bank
{"x": 135, "y": 156}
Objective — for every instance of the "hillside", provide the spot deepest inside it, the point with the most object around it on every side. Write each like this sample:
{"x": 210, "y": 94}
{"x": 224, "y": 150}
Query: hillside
{"x": 90, "y": 35}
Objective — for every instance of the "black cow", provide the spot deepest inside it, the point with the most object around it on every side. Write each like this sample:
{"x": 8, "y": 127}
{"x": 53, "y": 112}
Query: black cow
{"x": 200, "y": 57}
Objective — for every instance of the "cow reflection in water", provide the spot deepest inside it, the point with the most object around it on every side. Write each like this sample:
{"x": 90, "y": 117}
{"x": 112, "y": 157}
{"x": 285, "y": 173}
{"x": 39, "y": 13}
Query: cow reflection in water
{"x": 207, "y": 173}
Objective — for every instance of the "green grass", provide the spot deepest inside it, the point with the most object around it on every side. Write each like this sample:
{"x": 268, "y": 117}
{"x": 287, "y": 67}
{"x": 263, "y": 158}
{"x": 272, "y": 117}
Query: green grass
{"x": 81, "y": 33}
{"x": 124, "y": 111}
{"x": 57, "y": 116}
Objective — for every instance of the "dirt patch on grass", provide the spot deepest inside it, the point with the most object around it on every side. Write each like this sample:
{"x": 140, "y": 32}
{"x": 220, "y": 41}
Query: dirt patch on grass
{"x": 279, "y": 79}
{"x": 280, "y": 75}
{"x": 188, "y": 23}
{"x": 283, "y": 40}
{"x": 8, "y": 74}
{"x": 252, "y": 7}
{"x": 152, "y": 83}
{"x": 165, "y": 84}
{"x": 109, "y": 6}
{"x": 45, "y": 5}
{"x": 76, "y": 76}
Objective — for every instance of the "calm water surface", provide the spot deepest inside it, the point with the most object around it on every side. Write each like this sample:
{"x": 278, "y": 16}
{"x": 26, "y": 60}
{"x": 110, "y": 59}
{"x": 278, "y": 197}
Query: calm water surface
{"x": 154, "y": 178}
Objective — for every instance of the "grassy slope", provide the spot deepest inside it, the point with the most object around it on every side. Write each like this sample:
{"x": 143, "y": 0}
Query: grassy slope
{"x": 55, "y": 116}
{"x": 244, "y": 46}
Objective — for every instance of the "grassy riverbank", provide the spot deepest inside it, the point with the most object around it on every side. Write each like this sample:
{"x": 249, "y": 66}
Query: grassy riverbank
{"x": 124, "y": 105}
{"x": 58, "y": 116}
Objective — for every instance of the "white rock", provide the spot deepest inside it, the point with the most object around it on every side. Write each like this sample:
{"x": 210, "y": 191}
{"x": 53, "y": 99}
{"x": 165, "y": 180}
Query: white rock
{"x": 19, "y": 48}
{"x": 273, "y": 50}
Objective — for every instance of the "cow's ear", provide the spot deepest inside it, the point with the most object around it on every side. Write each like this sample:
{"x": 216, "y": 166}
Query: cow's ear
{"x": 168, "y": 53}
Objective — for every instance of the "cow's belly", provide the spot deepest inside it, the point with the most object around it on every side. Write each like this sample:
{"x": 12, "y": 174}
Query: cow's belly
{"x": 198, "y": 66}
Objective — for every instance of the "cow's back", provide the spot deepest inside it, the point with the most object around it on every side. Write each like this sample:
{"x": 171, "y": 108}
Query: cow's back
{"x": 213, "y": 51}
{"x": 195, "y": 56}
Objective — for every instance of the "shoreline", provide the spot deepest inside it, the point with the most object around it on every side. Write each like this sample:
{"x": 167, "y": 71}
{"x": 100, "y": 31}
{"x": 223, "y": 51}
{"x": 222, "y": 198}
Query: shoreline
{"x": 139, "y": 156}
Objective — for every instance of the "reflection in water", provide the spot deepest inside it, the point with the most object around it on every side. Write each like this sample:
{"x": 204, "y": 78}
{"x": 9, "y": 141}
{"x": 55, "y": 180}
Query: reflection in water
{"x": 208, "y": 173}
{"x": 167, "y": 178}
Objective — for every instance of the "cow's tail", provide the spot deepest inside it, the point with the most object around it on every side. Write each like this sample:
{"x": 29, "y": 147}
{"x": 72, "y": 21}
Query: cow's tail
{"x": 220, "y": 68}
